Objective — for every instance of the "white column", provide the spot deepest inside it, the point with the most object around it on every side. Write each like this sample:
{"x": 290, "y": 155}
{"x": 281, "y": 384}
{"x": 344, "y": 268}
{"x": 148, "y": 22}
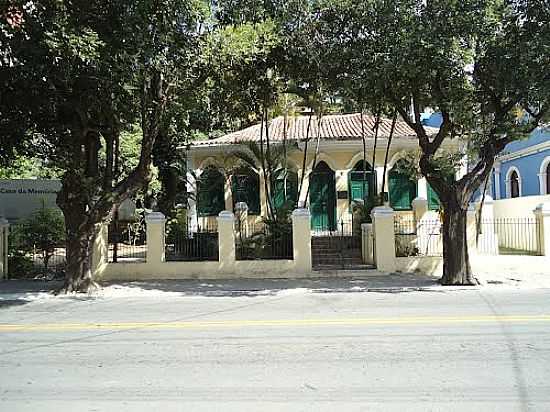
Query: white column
{"x": 380, "y": 179}
{"x": 420, "y": 208}
{"x": 342, "y": 205}
{"x": 367, "y": 243}
{"x": 302, "y": 203}
{"x": 228, "y": 195}
{"x": 542, "y": 213}
{"x": 423, "y": 188}
{"x": 497, "y": 181}
{"x": 100, "y": 249}
{"x": 384, "y": 238}
{"x": 4, "y": 238}
{"x": 226, "y": 242}
{"x": 301, "y": 240}
{"x": 155, "y": 222}
{"x": 192, "y": 192}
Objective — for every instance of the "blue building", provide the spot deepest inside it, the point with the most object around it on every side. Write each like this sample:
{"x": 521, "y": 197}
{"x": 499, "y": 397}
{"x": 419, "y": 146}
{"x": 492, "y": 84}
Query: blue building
{"x": 523, "y": 168}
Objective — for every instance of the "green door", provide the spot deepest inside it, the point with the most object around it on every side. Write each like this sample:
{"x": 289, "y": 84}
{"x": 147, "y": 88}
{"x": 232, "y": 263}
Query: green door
{"x": 322, "y": 193}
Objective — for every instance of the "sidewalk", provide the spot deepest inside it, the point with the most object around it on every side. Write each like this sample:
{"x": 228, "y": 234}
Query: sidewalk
{"x": 334, "y": 282}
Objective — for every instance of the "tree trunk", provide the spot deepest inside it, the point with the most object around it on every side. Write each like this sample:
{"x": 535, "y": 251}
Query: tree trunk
{"x": 456, "y": 262}
{"x": 79, "y": 260}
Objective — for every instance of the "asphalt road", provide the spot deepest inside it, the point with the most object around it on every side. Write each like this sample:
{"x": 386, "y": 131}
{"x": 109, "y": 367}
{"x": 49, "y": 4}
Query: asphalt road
{"x": 229, "y": 349}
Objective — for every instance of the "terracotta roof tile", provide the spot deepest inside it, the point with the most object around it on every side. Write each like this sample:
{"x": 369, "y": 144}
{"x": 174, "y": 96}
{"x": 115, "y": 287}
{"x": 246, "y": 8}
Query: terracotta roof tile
{"x": 333, "y": 127}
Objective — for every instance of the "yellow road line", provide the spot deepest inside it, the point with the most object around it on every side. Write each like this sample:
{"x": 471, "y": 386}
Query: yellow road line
{"x": 275, "y": 322}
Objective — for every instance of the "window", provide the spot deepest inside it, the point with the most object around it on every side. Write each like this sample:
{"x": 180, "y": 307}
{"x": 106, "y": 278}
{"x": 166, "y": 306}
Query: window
{"x": 361, "y": 183}
{"x": 210, "y": 188}
{"x": 514, "y": 184}
{"x": 402, "y": 190}
{"x": 544, "y": 176}
{"x": 284, "y": 189}
{"x": 245, "y": 187}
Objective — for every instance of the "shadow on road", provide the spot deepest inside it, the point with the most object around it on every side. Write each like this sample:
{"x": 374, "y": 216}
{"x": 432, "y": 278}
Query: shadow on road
{"x": 395, "y": 283}
{"x": 19, "y": 292}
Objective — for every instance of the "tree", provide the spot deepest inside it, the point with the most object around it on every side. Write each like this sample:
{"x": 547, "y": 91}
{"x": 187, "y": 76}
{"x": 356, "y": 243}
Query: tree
{"x": 478, "y": 62}
{"x": 76, "y": 77}
{"x": 44, "y": 231}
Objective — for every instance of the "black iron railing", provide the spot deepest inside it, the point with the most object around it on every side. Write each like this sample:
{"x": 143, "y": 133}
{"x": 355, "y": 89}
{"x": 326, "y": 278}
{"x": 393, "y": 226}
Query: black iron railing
{"x": 127, "y": 243}
{"x": 263, "y": 241}
{"x": 417, "y": 238}
{"x": 509, "y": 236}
{"x": 27, "y": 259}
{"x": 193, "y": 242}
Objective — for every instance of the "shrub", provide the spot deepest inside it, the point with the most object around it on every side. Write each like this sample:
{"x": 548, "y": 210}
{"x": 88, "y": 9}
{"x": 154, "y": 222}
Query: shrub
{"x": 43, "y": 231}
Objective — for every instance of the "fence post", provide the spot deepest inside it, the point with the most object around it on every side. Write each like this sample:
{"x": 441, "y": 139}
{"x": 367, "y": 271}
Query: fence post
{"x": 367, "y": 243}
{"x": 226, "y": 241}
{"x": 4, "y": 233}
{"x": 301, "y": 240}
{"x": 156, "y": 223}
{"x": 100, "y": 250}
{"x": 542, "y": 213}
{"x": 384, "y": 238}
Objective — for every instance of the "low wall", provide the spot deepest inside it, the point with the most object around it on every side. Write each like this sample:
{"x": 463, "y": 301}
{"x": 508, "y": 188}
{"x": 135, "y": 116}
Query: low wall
{"x": 520, "y": 207}
{"x": 433, "y": 266}
{"x": 155, "y": 265}
{"x": 252, "y": 269}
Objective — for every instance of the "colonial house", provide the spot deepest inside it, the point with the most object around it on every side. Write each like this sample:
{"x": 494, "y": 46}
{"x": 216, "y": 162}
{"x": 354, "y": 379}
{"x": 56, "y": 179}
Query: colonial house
{"x": 332, "y": 179}
{"x": 523, "y": 169}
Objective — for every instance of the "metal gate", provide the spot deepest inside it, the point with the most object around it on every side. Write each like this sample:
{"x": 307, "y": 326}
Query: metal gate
{"x": 337, "y": 249}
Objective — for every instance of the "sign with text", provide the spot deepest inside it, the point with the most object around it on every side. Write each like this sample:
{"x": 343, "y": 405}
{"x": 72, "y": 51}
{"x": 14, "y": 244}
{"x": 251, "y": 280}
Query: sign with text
{"x": 20, "y": 197}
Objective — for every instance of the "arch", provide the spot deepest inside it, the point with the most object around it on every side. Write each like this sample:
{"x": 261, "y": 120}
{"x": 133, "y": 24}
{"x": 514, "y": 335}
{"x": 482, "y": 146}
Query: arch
{"x": 322, "y": 195}
{"x": 396, "y": 157}
{"x": 323, "y": 157}
{"x": 245, "y": 187}
{"x": 355, "y": 159}
{"x": 544, "y": 176}
{"x": 210, "y": 192}
{"x": 513, "y": 182}
{"x": 401, "y": 189}
{"x": 209, "y": 161}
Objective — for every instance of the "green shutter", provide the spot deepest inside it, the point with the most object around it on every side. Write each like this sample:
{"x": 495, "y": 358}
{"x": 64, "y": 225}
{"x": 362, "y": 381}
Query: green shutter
{"x": 433, "y": 199}
{"x": 402, "y": 191}
{"x": 358, "y": 190}
{"x": 210, "y": 196}
{"x": 278, "y": 191}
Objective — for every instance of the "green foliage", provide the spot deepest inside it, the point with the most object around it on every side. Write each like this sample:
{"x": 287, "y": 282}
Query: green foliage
{"x": 176, "y": 227}
{"x": 43, "y": 232}
{"x": 21, "y": 167}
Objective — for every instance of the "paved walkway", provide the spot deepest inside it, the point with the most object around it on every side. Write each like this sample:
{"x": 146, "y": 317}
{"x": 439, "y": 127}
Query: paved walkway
{"x": 338, "y": 281}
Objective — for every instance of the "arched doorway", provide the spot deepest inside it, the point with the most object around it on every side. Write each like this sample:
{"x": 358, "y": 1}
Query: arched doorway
{"x": 322, "y": 195}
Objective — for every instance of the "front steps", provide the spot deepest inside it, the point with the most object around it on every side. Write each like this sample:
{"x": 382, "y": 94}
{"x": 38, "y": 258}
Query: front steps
{"x": 337, "y": 253}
